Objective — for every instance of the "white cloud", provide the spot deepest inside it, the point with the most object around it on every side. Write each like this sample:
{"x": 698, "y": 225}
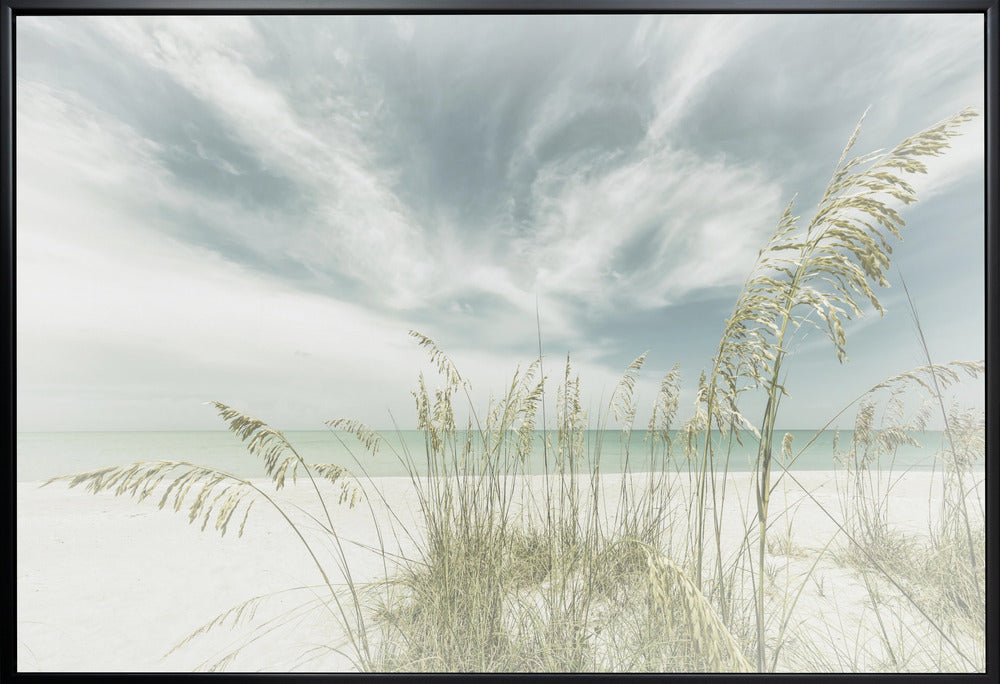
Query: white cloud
{"x": 361, "y": 226}
{"x": 121, "y": 325}
{"x": 701, "y": 221}
{"x": 949, "y": 44}
{"x": 698, "y": 47}
{"x": 405, "y": 27}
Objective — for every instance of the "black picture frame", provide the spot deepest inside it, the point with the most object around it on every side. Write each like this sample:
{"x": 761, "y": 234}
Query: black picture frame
{"x": 11, "y": 10}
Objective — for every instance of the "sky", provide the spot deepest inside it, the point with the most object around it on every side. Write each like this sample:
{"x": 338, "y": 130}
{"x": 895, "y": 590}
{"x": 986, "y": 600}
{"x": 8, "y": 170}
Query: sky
{"x": 257, "y": 210}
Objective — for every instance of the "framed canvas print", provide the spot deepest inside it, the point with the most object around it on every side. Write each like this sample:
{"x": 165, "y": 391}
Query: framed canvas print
{"x": 471, "y": 339}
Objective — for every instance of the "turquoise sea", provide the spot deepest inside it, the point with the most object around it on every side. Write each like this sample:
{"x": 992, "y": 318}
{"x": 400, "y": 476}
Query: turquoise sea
{"x": 49, "y": 454}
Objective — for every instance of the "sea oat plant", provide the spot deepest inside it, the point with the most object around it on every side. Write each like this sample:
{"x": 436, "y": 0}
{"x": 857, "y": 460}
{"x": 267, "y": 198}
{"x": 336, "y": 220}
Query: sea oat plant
{"x": 820, "y": 276}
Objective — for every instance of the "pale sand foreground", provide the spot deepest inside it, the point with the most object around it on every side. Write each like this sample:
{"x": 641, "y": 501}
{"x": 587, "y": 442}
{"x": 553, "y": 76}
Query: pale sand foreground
{"x": 105, "y": 584}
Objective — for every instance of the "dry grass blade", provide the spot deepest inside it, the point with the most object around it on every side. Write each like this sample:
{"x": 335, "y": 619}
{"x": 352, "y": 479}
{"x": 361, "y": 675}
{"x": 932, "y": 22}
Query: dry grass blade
{"x": 945, "y": 374}
{"x": 710, "y": 634}
{"x": 445, "y": 365}
{"x": 666, "y": 405}
{"x": 623, "y": 398}
{"x": 241, "y": 613}
{"x": 370, "y": 439}
{"x": 263, "y": 441}
{"x": 350, "y": 492}
{"x": 203, "y": 490}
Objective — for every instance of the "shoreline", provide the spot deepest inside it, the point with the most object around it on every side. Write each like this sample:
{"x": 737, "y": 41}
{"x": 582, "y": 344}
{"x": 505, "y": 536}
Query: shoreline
{"x": 44, "y": 455}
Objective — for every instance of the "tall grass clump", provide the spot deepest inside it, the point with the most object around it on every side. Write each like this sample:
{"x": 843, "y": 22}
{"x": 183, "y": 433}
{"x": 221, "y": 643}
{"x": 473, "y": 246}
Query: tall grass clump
{"x": 558, "y": 572}
{"x": 648, "y": 569}
{"x": 939, "y": 574}
{"x": 819, "y": 276}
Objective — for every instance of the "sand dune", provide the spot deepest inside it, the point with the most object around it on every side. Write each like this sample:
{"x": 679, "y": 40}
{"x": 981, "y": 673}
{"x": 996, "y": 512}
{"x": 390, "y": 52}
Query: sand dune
{"x": 105, "y": 584}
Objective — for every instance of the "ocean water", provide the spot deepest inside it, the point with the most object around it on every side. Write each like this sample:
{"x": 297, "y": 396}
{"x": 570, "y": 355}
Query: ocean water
{"x": 41, "y": 455}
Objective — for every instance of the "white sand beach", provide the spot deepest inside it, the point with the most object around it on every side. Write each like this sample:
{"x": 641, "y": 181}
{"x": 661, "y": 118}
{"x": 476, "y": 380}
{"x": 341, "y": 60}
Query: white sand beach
{"x": 106, "y": 584}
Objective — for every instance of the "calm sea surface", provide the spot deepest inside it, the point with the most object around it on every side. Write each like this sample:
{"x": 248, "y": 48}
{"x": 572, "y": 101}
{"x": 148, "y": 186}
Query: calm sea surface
{"x": 44, "y": 455}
